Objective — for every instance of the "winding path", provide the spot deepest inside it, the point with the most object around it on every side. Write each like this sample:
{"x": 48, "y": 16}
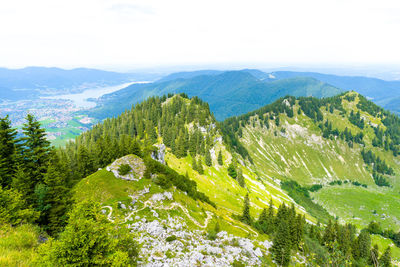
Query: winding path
{"x": 172, "y": 206}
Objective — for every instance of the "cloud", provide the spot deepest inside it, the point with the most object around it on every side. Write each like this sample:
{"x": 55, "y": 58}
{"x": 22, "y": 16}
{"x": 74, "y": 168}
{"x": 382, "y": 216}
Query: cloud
{"x": 70, "y": 33}
{"x": 132, "y": 9}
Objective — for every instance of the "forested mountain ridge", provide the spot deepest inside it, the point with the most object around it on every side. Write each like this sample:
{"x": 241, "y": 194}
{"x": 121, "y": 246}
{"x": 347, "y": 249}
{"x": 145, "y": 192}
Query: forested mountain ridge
{"x": 192, "y": 191}
{"x": 228, "y": 93}
{"x": 32, "y": 82}
{"x": 381, "y": 92}
{"x": 340, "y": 145}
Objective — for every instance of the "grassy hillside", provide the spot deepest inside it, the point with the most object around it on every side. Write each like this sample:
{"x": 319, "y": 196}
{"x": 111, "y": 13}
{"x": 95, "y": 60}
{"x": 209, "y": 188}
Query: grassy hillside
{"x": 296, "y": 148}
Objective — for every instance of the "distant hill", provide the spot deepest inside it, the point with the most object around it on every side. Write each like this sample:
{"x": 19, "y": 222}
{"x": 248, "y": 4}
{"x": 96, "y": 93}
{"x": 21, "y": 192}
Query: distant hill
{"x": 381, "y": 92}
{"x": 229, "y": 93}
{"x": 30, "y": 82}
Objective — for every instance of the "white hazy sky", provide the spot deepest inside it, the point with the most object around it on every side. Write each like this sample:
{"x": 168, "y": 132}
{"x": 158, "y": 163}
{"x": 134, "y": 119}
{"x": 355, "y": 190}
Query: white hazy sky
{"x": 145, "y": 33}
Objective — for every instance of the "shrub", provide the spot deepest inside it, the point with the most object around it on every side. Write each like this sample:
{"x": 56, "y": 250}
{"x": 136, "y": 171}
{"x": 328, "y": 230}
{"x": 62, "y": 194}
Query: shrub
{"x": 170, "y": 238}
{"x": 124, "y": 169}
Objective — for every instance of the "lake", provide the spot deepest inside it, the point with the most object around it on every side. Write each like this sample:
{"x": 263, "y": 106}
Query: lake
{"x": 81, "y": 99}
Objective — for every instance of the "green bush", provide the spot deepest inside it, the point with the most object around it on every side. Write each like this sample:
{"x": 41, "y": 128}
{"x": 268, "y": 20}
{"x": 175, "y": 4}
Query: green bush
{"x": 170, "y": 238}
{"x": 124, "y": 169}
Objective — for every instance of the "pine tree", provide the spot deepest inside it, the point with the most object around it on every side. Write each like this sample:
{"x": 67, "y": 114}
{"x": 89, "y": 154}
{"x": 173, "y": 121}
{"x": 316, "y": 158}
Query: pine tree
{"x": 194, "y": 163}
{"x": 36, "y": 149}
{"x": 220, "y": 161}
{"x": 329, "y": 234}
{"x": 207, "y": 159}
{"x": 386, "y": 259}
{"x": 240, "y": 178}
{"x": 85, "y": 162}
{"x": 246, "y": 218}
{"x": 57, "y": 196}
{"x": 135, "y": 148}
{"x": 200, "y": 166}
{"x": 7, "y": 152}
{"x": 281, "y": 245}
{"x": 364, "y": 244}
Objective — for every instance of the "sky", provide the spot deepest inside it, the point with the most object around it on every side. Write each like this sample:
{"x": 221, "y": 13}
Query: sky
{"x": 152, "y": 33}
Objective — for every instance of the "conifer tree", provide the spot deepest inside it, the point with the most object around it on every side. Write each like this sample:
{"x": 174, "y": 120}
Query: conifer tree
{"x": 240, "y": 178}
{"x": 7, "y": 152}
{"x": 135, "y": 148}
{"x": 220, "y": 161}
{"x": 200, "y": 166}
{"x": 386, "y": 258}
{"x": 57, "y": 196}
{"x": 207, "y": 159}
{"x": 246, "y": 218}
{"x": 36, "y": 149}
{"x": 194, "y": 163}
{"x": 281, "y": 245}
{"x": 85, "y": 162}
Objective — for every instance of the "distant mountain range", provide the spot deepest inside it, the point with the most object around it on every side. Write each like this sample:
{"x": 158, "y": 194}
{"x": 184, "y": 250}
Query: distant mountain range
{"x": 231, "y": 93}
{"x": 31, "y": 82}
{"x": 228, "y": 93}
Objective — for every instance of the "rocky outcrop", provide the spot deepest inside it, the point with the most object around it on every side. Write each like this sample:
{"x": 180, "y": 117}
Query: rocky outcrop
{"x": 159, "y": 155}
{"x": 137, "y": 165}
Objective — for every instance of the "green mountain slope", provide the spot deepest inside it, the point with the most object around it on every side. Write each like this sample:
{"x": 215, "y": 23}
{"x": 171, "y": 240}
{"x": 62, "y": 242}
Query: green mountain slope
{"x": 228, "y": 94}
{"x": 262, "y": 189}
{"x": 312, "y": 151}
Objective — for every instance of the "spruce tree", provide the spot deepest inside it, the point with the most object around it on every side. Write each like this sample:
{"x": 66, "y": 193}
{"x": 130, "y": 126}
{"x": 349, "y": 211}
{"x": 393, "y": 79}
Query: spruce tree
{"x": 7, "y": 152}
{"x": 386, "y": 258}
{"x": 220, "y": 161}
{"x": 57, "y": 197}
{"x": 207, "y": 159}
{"x": 85, "y": 162}
{"x": 281, "y": 245}
{"x": 36, "y": 149}
{"x": 200, "y": 166}
{"x": 135, "y": 148}
{"x": 246, "y": 218}
{"x": 240, "y": 178}
{"x": 194, "y": 163}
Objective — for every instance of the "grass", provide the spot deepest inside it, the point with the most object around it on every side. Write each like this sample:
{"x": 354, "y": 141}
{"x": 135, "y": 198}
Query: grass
{"x": 383, "y": 243}
{"x": 360, "y": 205}
{"x": 18, "y": 244}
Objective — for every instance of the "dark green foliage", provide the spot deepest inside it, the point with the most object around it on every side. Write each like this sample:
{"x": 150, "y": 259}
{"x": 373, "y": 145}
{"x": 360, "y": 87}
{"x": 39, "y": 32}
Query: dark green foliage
{"x": 207, "y": 158}
{"x": 378, "y": 165}
{"x": 200, "y": 169}
{"x": 281, "y": 248}
{"x": 265, "y": 222}
{"x": 240, "y": 178}
{"x": 89, "y": 239}
{"x": 302, "y": 197}
{"x": 386, "y": 259}
{"x": 14, "y": 209}
{"x": 232, "y": 171}
{"x": 374, "y": 228}
{"x": 246, "y": 218}
{"x": 170, "y": 238}
{"x": 124, "y": 169}
{"x": 380, "y": 180}
{"x": 220, "y": 161}
{"x": 356, "y": 119}
{"x": 314, "y": 187}
{"x": 8, "y": 149}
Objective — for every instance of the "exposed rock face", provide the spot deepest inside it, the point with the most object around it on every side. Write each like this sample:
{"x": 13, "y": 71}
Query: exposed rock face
{"x": 136, "y": 163}
{"x": 192, "y": 248}
{"x": 160, "y": 154}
